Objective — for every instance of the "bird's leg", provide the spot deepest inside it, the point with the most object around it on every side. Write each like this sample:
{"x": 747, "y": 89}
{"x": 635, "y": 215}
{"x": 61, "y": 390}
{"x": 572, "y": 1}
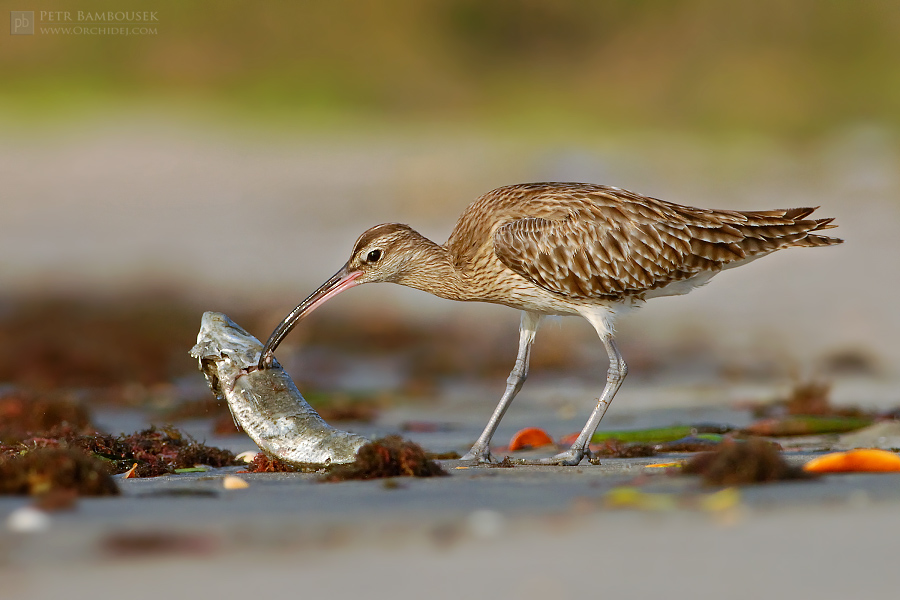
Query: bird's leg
{"x": 481, "y": 451}
{"x": 614, "y": 377}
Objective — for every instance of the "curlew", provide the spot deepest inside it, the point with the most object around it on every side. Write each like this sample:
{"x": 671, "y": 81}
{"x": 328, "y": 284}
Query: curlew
{"x": 565, "y": 249}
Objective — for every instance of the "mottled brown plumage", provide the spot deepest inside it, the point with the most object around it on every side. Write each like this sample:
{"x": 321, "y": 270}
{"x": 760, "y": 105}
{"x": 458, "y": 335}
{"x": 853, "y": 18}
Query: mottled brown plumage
{"x": 587, "y": 242}
{"x": 565, "y": 249}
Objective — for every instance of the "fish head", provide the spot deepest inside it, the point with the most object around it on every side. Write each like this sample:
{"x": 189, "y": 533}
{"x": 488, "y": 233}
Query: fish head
{"x": 222, "y": 340}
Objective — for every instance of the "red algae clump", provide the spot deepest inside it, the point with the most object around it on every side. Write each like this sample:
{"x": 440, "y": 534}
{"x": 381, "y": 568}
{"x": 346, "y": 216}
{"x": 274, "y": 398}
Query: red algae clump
{"x": 390, "y": 456}
{"x": 263, "y": 464}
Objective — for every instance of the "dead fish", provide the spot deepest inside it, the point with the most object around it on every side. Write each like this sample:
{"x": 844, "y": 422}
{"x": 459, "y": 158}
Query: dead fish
{"x": 265, "y": 403}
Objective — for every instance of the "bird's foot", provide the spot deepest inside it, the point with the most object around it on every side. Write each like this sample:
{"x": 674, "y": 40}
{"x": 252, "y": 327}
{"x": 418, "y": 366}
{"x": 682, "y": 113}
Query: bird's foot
{"x": 569, "y": 458}
{"x": 479, "y": 455}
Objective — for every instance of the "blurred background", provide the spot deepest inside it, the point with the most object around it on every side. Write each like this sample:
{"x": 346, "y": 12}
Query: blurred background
{"x": 226, "y": 156}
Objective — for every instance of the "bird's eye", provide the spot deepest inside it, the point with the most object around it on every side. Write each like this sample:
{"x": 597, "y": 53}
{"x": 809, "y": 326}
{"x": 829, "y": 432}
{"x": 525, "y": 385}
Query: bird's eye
{"x": 373, "y": 256}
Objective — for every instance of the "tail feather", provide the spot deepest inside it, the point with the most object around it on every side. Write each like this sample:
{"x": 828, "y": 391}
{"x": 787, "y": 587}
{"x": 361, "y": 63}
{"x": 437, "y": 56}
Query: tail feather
{"x": 796, "y": 214}
{"x": 818, "y": 240}
{"x": 824, "y": 224}
{"x": 764, "y": 235}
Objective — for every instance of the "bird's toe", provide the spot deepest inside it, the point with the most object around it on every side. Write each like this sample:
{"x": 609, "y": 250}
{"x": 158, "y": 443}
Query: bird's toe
{"x": 569, "y": 458}
{"x": 478, "y": 456}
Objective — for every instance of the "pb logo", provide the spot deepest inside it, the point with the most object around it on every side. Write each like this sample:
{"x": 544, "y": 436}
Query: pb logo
{"x": 21, "y": 22}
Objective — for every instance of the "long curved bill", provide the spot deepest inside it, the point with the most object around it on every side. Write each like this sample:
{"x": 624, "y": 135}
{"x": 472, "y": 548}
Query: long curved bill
{"x": 340, "y": 281}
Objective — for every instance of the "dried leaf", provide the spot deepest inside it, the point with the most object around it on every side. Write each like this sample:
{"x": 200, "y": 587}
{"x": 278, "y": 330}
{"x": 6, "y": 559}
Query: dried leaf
{"x": 530, "y": 437}
{"x": 854, "y": 461}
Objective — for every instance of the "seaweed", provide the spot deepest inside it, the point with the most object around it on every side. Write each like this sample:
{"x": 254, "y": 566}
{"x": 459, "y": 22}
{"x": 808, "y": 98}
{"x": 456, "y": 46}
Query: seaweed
{"x": 740, "y": 462}
{"x": 26, "y": 414}
{"x": 156, "y": 451}
{"x": 48, "y": 470}
{"x": 263, "y": 464}
{"x": 390, "y": 456}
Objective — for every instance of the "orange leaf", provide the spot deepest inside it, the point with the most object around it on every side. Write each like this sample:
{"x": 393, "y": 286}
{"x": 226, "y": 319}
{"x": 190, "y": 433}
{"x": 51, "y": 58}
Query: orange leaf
{"x": 530, "y": 437}
{"x": 131, "y": 473}
{"x": 854, "y": 461}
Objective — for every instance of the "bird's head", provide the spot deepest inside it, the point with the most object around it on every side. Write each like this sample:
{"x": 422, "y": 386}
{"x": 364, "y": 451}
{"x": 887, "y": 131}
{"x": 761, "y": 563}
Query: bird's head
{"x": 383, "y": 253}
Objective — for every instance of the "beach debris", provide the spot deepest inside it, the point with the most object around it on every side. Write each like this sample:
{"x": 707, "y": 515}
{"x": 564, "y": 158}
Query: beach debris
{"x": 264, "y": 464}
{"x": 157, "y": 451}
{"x": 657, "y": 435}
{"x": 32, "y": 421}
{"x": 265, "y": 402}
{"x": 247, "y": 456}
{"x": 798, "y": 425}
{"x": 528, "y": 438}
{"x": 233, "y": 482}
{"x": 131, "y": 473}
{"x": 390, "y": 456}
{"x": 855, "y": 461}
{"x": 44, "y": 470}
{"x": 742, "y": 462}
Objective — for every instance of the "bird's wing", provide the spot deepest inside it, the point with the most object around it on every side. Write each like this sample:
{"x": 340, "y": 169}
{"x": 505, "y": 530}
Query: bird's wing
{"x": 606, "y": 250}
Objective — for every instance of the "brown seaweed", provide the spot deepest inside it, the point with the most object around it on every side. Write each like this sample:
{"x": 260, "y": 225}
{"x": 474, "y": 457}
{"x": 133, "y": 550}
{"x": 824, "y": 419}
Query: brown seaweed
{"x": 390, "y": 456}
{"x": 740, "y": 462}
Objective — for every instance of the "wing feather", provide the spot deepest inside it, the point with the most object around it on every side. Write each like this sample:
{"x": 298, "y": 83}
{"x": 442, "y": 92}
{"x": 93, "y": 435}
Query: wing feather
{"x": 588, "y": 241}
{"x": 613, "y": 243}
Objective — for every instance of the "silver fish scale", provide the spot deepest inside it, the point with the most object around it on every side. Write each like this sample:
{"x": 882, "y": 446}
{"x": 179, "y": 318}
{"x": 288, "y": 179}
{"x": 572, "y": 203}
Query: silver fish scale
{"x": 266, "y": 404}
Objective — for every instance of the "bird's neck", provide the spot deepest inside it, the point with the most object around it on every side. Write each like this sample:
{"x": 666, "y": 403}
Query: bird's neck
{"x": 431, "y": 269}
